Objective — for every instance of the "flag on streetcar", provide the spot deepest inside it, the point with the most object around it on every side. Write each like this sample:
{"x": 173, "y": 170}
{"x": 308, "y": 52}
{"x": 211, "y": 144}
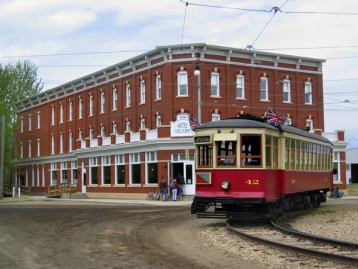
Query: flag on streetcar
{"x": 193, "y": 122}
{"x": 275, "y": 118}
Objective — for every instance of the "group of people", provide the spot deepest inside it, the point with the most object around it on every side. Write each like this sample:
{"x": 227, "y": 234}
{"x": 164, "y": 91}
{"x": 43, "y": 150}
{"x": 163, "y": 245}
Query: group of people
{"x": 175, "y": 187}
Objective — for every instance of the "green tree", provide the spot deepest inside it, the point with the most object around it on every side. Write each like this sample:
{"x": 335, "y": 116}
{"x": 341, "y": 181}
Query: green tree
{"x": 17, "y": 82}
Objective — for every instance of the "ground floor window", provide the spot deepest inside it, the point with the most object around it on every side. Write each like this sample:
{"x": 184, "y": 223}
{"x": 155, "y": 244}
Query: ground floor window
{"x": 152, "y": 167}
{"x": 106, "y": 170}
{"x": 74, "y": 172}
{"x": 93, "y": 163}
{"x": 64, "y": 172}
{"x": 121, "y": 174}
{"x": 136, "y": 173}
{"x": 53, "y": 172}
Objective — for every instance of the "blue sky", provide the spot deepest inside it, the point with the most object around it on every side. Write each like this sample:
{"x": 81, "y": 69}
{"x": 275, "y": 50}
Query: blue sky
{"x": 63, "y": 26}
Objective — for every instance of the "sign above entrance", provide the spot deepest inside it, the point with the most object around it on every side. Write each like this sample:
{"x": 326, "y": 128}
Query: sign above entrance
{"x": 181, "y": 127}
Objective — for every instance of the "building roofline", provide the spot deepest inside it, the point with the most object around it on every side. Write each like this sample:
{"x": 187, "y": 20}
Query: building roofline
{"x": 161, "y": 51}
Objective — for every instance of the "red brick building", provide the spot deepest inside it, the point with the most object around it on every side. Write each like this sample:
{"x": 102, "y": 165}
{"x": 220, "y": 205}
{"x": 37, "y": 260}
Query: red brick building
{"x": 117, "y": 131}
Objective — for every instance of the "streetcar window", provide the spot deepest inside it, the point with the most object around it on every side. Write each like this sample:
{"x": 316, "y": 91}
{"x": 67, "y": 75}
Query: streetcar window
{"x": 226, "y": 153}
{"x": 205, "y": 155}
{"x": 250, "y": 150}
{"x": 275, "y": 152}
{"x": 292, "y": 154}
{"x": 268, "y": 151}
{"x": 287, "y": 153}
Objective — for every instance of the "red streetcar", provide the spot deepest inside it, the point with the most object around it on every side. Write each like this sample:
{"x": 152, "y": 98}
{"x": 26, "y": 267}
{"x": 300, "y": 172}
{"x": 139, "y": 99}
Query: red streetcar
{"x": 247, "y": 168}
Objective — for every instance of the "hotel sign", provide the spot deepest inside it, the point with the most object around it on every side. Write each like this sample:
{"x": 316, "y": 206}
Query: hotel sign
{"x": 181, "y": 127}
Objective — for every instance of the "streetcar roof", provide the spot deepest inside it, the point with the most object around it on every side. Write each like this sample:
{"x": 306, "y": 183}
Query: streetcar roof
{"x": 246, "y": 123}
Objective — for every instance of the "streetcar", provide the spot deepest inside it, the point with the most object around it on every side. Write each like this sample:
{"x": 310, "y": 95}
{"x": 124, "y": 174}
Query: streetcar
{"x": 246, "y": 168}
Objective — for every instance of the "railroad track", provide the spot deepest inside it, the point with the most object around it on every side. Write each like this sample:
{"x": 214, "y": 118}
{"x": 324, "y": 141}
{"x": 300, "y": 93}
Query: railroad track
{"x": 286, "y": 238}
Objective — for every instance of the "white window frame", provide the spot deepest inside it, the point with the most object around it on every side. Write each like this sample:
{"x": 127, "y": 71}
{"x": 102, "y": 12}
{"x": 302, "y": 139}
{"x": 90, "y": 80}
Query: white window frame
{"x": 29, "y": 148}
{"x": 142, "y": 123}
{"x": 21, "y": 125}
{"x": 38, "y": 147}
{"x": 215, "y": 117}
{"x": 90, "y": 133}
{"x": 106, "y": 161}
{"x": 63, "y": 168}
{"x": 128, "y": 95}
{"x": 102, "y": 133}
{"x": 182, "y": 78}
{"x": 37, "y": 176}
{"x": 142, "y": 91}
{"x": 80, "y": 134}
{"x": 73, "y": 167}
{"x": 70, "y": 141}
{"x": 90, "y": 106}
{"x": 114, "y": 99}
{"x": 61, "y": 113}
{"x": 119, "y": 160}
{"x": 309, "y": 122}
{"x": 158, "y": 121}
{"x": 215, "y": 84}
{"x": 158, "y": 88}
{"x": 21, "y": 150}
{"x": 128, "y": 126}
{"x": 134, "y": 158}
{"x": 80, "y": 107}
{"x": 114, "y": 128}
{"x": 288, "y": 121}
{"x": 52, "y": 144}
{"x": 93, "y": 162}
{"x": 53, "y": 167}
{"x": 240, "y": 84}
{"x": 32, "y": 176}
{"x": 52, "y": 116}
{"x": 149, "y": 159}
{"x": 30, "y": 122}
{"x": 38, "y": 120}
{"x": 337, "y": 159}
{"x": 308, "y": 93}
{"x": 286, "y": 88}
{"x": 264, "y": 90}
{"x": 70, "y": 111}
{"x": 61, "y": 143}
{"x": 102, "y": 102}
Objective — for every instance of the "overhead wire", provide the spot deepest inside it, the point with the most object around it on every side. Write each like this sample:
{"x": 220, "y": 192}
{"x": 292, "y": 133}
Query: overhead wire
{"x": 182, "y": 33}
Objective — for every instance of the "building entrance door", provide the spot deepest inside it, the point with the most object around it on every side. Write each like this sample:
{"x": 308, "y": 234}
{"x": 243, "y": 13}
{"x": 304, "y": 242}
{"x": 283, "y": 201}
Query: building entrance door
{"x": 184, "y": 171}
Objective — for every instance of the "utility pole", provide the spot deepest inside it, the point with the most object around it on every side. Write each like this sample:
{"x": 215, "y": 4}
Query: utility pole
{"x": 2, "y": 154}
{"x": 197, "y": 74}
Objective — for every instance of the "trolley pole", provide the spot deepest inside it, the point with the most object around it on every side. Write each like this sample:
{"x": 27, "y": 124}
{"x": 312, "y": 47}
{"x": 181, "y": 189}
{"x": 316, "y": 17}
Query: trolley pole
{"x": 2, "y": 155}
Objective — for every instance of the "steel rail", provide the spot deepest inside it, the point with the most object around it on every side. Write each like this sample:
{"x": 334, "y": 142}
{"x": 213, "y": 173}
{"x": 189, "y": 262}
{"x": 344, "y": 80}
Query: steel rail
{"x": 297, "y": 249}
{"x": 327, "y": 240}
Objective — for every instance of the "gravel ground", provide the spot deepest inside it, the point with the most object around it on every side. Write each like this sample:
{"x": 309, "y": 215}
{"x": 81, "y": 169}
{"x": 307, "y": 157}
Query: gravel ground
{"x": 334, "y": 219}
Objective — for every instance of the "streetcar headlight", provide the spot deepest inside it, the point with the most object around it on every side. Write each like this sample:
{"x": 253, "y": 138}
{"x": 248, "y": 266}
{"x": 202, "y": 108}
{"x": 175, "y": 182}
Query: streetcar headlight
{"x": 225, "y": 185}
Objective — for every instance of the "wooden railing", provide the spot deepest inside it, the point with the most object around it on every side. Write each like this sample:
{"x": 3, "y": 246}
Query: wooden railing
{"x": 58, "y": 190}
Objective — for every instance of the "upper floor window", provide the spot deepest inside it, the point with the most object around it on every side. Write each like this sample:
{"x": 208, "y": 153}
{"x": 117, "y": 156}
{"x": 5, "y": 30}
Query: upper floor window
{"x": 158, "y": 120}
{"x": 61, "y": 113}
{"x": 30, "y": 149}
{"x": 128, "y": 95}
{"x": 52, "y": 144}
{"x": 114, "y": 127}
{"x": 52, "y": 115}
{"x": 215, "y": 89}
{"x": 91, "y": 105}
{"x": 30, "y": 122}
{"x": 128, "y": 126}
{"x": 309, "y": 125}
{"x": 142, "y": 123}
{"x": 286, "y": 91}
{"x": 215, "y": 117}
{"x": 80, "y": 134}
{"x": 61, "y": 143}
{"x": 21, "y": 125}
{"x": 80, "y": 107}
{"x": 90, "y": 133}
{"x": 264, "y": 89}
{"x": 38, "y": 148}
{"x": 182, "y": 83}
{"x": 38, "y": 120}
{"x": 102, "y": 134}
{"x": 114, "y": 99}
{"x": 158, "y": 88}
{"x": 240, "y": 86}
{"x": 288, "y": 121}
{"x": 70, "y": 142}
{"x": 142, "y": 91}
{"x": 102, "y": 102}
{"x": 70, "y": 111}
{"x": 308, "y": 92}
{"x": 21, "y": 150}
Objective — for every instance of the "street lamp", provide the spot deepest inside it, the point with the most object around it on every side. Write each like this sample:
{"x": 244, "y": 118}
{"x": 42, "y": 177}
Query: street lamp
{"x": 197, "y": 74}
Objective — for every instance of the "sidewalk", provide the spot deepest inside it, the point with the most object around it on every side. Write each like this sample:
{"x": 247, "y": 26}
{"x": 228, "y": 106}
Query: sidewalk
{"x": 184, "y": 202}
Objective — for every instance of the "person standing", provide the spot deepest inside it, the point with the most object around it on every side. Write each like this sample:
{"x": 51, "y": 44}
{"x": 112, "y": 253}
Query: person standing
{"x": 174, "y": 190}
{"x": 163, "y": 185}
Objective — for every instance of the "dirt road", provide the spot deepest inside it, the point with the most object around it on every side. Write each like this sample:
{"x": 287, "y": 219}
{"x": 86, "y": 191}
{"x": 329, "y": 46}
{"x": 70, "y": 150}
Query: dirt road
{"x": 48, "y": 234}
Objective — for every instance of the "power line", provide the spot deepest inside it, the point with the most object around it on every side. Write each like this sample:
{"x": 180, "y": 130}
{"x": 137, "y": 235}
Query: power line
{"x": 312, "y": 48}
{"x": 321, "y": 13}
{"x": 262, "y": 30}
